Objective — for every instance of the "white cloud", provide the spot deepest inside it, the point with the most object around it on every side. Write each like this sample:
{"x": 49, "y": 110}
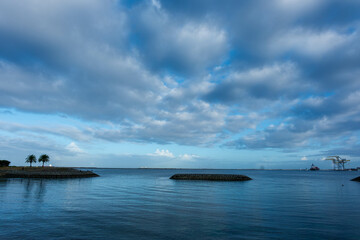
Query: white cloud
{"x": 167, "y": 154}
{"x": 188, "y": 157}
{"x": 203, "y": 40}
{"x": 309, "y": 42}
{"x": 304, "y": 158}
{"x": 72, "y": 147}
{"x": 156, "y": 4}
{"x": 162, "y": 153}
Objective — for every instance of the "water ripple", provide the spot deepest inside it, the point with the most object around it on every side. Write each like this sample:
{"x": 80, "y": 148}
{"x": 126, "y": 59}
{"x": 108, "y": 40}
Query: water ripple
{"x": 144, "y": 204}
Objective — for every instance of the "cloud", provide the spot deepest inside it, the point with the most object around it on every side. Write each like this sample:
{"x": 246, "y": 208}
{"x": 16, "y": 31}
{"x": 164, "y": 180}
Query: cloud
{"x": 185, "y": 47}
{"x": 309, "y": 43}
{"x": 299, "y": 6}
{"x": 167, "y": 154}
{"x": 282, "y": 136}
{"x": 311, "y": 123}
{"x": 74, "y": 148}
{"x": 200, "y": 73}
{"x": 188, "y": 157}
{"x": 62, "y": 130}
{"x": 162, "y": 153}
{"x": 253, "y": 86}
{"x": 63, "y": 68}
{"x": 304, "y": 158}
{"x": 352, "y": 151}
{"x": 156, "y": 4}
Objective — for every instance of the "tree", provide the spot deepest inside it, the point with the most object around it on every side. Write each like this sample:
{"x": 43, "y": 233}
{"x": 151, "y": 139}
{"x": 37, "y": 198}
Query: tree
{"x": 30, "y": 159}
{"x": 4, "y": 163}
{"x": 44, "y": 158}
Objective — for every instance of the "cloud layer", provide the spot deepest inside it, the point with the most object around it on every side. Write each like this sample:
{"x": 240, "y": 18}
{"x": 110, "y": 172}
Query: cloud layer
{"x": 237, "y": 74}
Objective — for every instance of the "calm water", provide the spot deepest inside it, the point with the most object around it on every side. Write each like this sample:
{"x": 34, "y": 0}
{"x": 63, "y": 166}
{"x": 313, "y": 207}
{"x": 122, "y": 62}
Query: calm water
{"x": 145, "y": 204}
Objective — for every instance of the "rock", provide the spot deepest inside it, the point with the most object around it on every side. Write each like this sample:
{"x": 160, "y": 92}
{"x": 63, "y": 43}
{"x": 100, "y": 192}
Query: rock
{"x": 211, "y": 177}
{"x": 357, "y": 179}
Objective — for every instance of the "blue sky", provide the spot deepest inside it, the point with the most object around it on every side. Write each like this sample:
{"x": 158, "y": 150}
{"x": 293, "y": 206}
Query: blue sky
{"x": 193, "y": 84}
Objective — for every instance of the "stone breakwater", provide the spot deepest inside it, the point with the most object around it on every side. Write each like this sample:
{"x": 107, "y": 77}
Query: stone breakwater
{"x": 53, "y": 173}
{"x": 211, "y": 177}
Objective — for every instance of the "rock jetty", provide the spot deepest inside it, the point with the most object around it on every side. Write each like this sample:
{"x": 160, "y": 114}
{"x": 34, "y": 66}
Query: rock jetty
{"x": 357, "y": 179}
{"x": 48, "y": 172}
{"x": 211, "y": 177}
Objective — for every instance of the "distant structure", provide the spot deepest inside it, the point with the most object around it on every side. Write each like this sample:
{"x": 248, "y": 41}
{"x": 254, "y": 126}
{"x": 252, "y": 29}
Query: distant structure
{"x": 339, "y": 163}
{"x": 314, "y": 168}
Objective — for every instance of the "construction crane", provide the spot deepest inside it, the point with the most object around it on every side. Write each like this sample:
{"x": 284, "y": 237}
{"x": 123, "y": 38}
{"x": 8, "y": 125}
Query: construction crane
{"x": 339, "y": 163}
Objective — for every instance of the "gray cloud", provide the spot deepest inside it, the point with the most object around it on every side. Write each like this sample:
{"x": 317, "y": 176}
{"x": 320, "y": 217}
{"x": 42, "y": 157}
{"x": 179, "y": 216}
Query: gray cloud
{"x": 70, "y": 132}
{"x": 171, "y": 44}
{"x": 185, "y": 72}
{"x": 268, "y": 83}
{"x": 315, "y": 122}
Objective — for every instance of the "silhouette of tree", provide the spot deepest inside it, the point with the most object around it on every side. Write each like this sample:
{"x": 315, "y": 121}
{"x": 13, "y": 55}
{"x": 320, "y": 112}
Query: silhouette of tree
{"x": 4, "y": 163}
{"x": 44, "y": 158}
{"x": 30, "y": 159}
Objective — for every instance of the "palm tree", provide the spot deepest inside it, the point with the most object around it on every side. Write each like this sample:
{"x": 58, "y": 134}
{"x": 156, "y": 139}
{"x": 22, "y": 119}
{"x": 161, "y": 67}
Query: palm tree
{"x": 30, "y": 159}
{"x": 44, "y": 158}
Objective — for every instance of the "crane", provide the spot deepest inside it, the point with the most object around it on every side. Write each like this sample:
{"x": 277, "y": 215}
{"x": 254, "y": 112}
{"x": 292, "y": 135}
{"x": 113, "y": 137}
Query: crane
{"x": 339, "y": 163}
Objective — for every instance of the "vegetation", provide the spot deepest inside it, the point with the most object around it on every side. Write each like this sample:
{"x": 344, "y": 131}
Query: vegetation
{"x": 4, "y": 163}
{"x": 44, "y": 158}
{"x": 30, "y": 159}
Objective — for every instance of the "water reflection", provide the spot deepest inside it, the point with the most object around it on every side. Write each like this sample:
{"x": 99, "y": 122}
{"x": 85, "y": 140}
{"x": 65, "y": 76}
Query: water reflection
{"x": 3, "y": 190}
{"x": 34, "y": 189}
{"x": 3, "y": 182}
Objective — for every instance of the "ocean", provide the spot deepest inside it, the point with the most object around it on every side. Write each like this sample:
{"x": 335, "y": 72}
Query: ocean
{"x": 146, "y": 204}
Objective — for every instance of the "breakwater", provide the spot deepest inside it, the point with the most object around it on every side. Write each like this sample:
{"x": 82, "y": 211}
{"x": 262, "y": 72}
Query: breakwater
{"x": 45, "y": 173}
{"x": 211, "y": 177}
{"x": 357, "y": 179}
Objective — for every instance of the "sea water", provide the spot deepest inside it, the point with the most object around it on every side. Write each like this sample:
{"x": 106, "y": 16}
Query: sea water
{"x": 146, "y": 204}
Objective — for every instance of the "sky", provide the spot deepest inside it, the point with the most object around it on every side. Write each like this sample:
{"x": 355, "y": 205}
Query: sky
{"x": 180, "y": 84}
